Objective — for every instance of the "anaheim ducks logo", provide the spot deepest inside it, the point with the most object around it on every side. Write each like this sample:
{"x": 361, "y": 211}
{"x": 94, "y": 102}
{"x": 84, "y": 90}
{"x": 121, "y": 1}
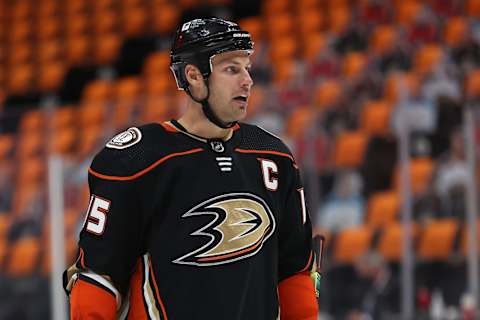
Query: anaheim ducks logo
{"x": 241, "y": 224}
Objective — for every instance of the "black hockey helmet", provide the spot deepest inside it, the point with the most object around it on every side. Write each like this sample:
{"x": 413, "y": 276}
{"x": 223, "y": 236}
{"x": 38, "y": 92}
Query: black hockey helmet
{"x": 198, "y": 41}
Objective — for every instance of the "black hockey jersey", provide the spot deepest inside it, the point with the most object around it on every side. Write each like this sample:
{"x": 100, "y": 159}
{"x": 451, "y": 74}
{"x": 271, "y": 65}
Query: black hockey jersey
{"x": 189, "y": 228}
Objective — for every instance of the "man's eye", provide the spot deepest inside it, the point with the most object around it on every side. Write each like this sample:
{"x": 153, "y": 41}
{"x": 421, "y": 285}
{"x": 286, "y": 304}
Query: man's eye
{"x": 232, "y": 69}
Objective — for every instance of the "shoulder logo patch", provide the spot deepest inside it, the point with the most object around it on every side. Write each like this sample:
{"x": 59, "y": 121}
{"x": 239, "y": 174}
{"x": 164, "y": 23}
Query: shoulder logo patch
{"x": 125, "y": 139}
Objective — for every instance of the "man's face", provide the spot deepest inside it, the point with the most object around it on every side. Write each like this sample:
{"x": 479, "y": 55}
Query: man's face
{"x": 230, "y": 84}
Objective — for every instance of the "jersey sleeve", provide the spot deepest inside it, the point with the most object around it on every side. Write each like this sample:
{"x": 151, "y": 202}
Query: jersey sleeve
{"x": 111, "y": 237}
{"x": 295, "y": 239}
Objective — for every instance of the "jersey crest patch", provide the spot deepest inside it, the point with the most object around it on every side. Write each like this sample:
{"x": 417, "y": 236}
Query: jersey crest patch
{"x": 125, "y": 139}
{"x": 241, "y": 224}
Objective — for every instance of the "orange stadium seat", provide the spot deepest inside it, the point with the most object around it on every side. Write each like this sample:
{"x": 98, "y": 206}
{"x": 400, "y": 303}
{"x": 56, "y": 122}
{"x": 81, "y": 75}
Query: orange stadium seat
{"x": 299, "y": 120}
{"x": 63, "y": 117}
{"x": 5, "y": 222}
{"x": 282, "y": 48}
{"x": 456, "y": 31}
{"x": 157, "y": 63}
{"x": 103, "y": 5}
{"x": 49, "y": 50}
{"x": 20, "y": 53}
{"x": 20, "y": 79}
{"x": 63, "y": 140}
{"x": 32, "y": 122}
{"x": 92, "y": 114}
{"x": 472, "y": 84}
{"x": 48, "y": 29}
{"x": 7, "y": 142}
{"x": 77, "y": 24}
{"x": 98, "y": 91}
{"x": 134, "y": 22}
{"x": 3, "y": 250}
{"x": 50, "y": 76}
{"x": 73, "y": 7}
{"x": 328, "y": 93}
{"x": 106, "y": 48}
{"x": 310, "y": 21}
{"x": 472, "y": 8}
{"x": 464, "y": 241}
{"x": 375, "y": 117}
{"x": 127, "y": 89}
{"x": 256, "y": 100}
{"x": 338, "y": 19}
{"x": 383, "y": 208}
{"x": 272, "y": 8}
{"x": 105, "y": 21}
{"x": 407, "y": 11}
{"x": 279, "y": 26}
{"x": 90, "y": 140}
{"x": 29, "y": 144}
{"x": 426, "y": 58}
{"x": 21, "y": 10}
{"x": 23, "y": 257}
{"x": 189, "y": 4}
{"x": 313, "y": 44}
{"x": 254, "y": 25}
{"x": 350, "y": 149}
{"x": 78, "y": 49}
{"x": 383, "y": 39}
{"x": 158, "y": 85}
{"x": 19, "y": 31}
{"x": 421, "y": 171}
{"x": 437, "y": 239}
{"x": 165, "y": 18}
{"x": 350, "y": 244}
{"x": 32, "y": 171}
{"x": 307, "y": 5}
{"x": 390, "y": 241}
{"x": 47, "y": 10}
{"x": 353, "y": 65}
{"x": 123, "y": 114}
{"x": 397, "y": 84}
{"x": 156, "y": 109}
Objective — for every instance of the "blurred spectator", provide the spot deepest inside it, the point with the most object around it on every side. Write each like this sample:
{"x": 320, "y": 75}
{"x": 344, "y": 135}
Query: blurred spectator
{"x": 380, "y": 159}
{"x": 376, "y": 291}
{"x": 449, "y": 117}
{"x": 344, "y": 207}
{"x": 451, "y": 177}
{"x": 6, "y": 190}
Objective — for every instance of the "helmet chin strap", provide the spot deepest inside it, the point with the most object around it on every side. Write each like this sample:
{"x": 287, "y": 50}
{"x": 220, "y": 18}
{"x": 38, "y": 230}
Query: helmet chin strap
{"x": 207, "y": 110}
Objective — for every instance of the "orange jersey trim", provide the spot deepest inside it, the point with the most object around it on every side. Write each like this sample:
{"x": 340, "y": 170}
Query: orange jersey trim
{"x": 308, "y": 263}
{"x": 144, "y": 171}
{"x": 137, "y": 309}
{"x": 169, "y": 127}
{"x": 156, "y": 290}
{"x": 266, "y": 152}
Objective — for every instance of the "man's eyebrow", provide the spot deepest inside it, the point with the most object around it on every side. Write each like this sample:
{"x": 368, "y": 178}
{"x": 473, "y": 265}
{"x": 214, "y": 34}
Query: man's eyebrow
{"x": 234, "y": 62}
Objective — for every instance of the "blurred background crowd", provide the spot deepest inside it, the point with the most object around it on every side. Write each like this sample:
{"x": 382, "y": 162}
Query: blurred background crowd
{"x": 337, "y": 79}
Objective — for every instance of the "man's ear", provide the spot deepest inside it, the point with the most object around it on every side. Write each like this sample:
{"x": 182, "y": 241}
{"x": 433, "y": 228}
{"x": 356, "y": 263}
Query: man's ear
{"x": 193, "y": 75}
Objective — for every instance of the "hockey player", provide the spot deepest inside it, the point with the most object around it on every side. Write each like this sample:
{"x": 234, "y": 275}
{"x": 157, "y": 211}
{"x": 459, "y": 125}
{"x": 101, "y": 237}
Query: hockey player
{"x": 201, "y": 217}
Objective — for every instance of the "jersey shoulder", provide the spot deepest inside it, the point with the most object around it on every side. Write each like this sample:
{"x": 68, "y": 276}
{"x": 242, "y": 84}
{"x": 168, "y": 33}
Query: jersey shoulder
{"x": 133, "y": 150}
{"x": 257, "y": 138}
